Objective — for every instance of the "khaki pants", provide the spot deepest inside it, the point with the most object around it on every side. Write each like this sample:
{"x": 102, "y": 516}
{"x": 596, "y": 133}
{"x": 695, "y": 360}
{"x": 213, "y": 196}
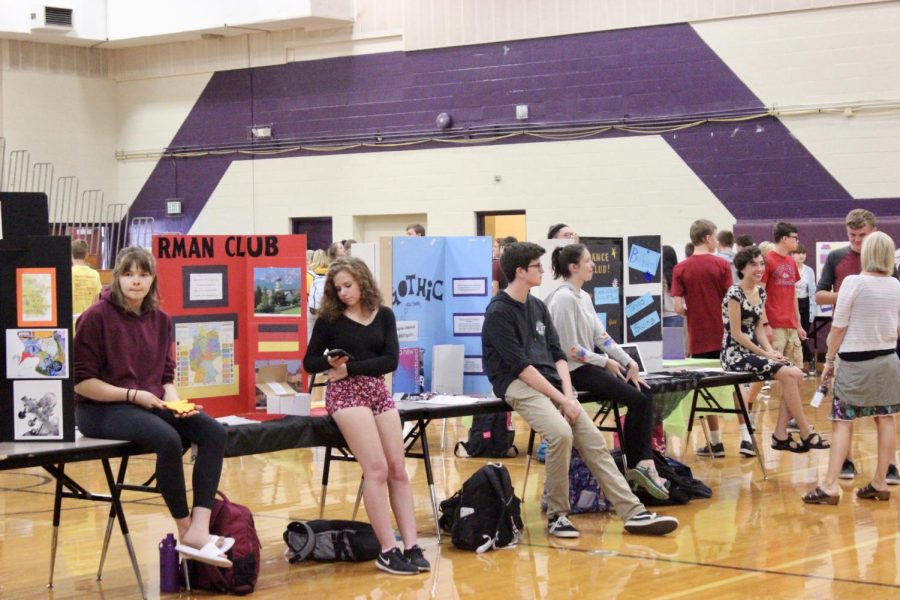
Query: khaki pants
{"x": 787, "y": 342}
{"x": 543, "y": 416}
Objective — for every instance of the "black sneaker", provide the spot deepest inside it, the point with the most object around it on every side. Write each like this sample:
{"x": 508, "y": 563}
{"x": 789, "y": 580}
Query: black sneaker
{"x": 893, "y": 477}
{"x": 394, "y": 562}
{"x": 848, "y": 470}
{"x": 561, "y": 527}
{"x": 716, "y": 450}
{"x": 747, "y": 449}
{"x": 415, "y": 556}
{"x": 648, "y": 523}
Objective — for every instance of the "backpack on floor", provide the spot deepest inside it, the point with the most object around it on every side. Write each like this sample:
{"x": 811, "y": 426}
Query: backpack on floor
{"x": 236, "y": 521}
{"x": 330, "y": 540}
{"x": 485, "y": 513}
{"x": 682, "y": 485}
{"x": 584, "y": 491}
{"x": 491, "y": 435}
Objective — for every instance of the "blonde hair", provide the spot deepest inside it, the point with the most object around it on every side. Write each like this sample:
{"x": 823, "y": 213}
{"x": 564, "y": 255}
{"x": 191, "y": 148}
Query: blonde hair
{"x": 766, "y": 247}
{"x": 130, "y": 258}
{"x": 877, "y": 254}
{"x": 319, "y": 260}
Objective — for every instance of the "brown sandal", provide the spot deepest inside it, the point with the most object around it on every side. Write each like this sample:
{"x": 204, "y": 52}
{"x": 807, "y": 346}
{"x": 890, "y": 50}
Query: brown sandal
{"x": 819, "y": 496}
{"x": 870, "y": 493}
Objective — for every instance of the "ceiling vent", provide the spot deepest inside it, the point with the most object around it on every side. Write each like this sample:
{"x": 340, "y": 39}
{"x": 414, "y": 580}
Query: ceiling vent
{"x": 51, "y": 18}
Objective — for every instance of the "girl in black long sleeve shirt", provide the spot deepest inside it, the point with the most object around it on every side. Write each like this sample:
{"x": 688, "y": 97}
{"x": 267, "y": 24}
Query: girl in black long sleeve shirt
{"x": 351, "y": 318}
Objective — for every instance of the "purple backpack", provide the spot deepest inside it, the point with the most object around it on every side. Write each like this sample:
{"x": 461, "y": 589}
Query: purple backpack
{"x": 231, "y": 520}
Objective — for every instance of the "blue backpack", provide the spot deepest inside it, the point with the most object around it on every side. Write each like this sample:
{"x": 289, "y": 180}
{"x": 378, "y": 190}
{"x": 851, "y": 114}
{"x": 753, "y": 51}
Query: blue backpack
{"x": 584, "y": 491}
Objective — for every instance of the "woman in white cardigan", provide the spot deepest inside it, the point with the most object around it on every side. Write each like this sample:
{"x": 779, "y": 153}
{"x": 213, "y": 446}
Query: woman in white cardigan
{"x": 599, "y": 366}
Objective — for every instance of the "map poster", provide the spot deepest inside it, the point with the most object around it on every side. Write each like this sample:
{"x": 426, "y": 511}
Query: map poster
{"x": 204, "y": 354}
{"x": 37, "y": 353}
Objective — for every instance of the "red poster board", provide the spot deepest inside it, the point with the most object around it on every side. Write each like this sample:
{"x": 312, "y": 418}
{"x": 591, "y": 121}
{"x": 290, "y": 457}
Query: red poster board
{"x": 207, "y": 286}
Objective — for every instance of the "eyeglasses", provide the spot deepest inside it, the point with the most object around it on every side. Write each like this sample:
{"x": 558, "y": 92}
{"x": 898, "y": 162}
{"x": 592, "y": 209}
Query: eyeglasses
{"x": 569, "y": 235}
{"x": 794, "y": 236}
{"x": 538, "y": 266}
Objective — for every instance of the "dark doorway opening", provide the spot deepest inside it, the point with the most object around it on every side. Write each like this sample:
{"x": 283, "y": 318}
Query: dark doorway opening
{"x": 317, "y": 229}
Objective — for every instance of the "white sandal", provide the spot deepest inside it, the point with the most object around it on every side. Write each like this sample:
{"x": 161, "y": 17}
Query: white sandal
{"x": 210, "y": 554}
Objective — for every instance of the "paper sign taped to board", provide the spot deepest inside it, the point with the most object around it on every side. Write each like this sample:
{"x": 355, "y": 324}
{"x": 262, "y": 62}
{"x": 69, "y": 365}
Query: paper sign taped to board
{"x": 638, "y": 305}
{"x": 643, "y": 259}
{"x": 408, "y": 331}
{"x": 606, "y": 295}
{"x": 644, "y": 324}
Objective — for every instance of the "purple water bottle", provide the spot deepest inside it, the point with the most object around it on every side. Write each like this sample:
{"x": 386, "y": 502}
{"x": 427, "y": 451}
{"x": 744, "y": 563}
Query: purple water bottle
{"x": 168, "y": 566}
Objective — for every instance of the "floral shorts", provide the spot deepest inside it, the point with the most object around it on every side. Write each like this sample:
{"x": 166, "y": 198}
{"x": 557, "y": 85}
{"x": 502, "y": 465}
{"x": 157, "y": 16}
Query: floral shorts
{"x": 359, "y": 390}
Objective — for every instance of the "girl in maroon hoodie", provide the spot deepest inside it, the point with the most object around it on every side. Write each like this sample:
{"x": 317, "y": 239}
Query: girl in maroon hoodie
{"x": 124, "y": 366}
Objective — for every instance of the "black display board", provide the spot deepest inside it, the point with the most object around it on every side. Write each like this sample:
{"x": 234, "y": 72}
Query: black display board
{"x": 605, "y": 289}
{"x": 644, "y": 253}
{"x": 642, "y": 314}
{"x": 36, "y": 398}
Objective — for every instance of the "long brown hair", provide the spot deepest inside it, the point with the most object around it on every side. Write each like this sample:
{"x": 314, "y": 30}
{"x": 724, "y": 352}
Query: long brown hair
{"x": 333, "y": 307}
{"x": 130, "y": 258}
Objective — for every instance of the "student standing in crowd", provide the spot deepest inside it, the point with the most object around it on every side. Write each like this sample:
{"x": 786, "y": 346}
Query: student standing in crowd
{"x": 805, "y": 289}
{"x": 415, "y": 230}
{"x": 335, "y": 251}
{"x": 528, "y": 369}
{"x": 698, "y": 285}
{"x": 864, "y": 338}
{"x": 597, "y": 364}
{"x": 124, "y": 367}
{"x": 779, "y": 280}
{"x": 498, "y": 279}
{"x": 840, "y": 264}
{"x": 561, "y": 231}
{"x": 670, "y": 317}
{"x": 746, "y": 347}
{"x": 352, "y": 319}
{"x": 85, "y": 280}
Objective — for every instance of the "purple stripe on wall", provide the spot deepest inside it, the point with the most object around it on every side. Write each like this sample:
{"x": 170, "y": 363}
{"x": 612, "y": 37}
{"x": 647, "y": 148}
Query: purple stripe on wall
{"x": 756, "y": 169}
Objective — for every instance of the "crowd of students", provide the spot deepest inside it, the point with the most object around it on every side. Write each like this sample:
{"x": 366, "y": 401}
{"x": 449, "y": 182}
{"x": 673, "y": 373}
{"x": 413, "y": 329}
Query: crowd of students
{"x": 536, "y": 355}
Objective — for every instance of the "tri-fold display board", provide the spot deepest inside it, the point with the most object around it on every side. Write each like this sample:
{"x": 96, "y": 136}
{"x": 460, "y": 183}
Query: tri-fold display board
{"x": 238, "y": 303}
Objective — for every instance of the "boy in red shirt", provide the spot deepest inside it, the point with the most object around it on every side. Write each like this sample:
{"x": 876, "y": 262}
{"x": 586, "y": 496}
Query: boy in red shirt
{"x": 699, "y": 284}
{"x": 781, "y": 302}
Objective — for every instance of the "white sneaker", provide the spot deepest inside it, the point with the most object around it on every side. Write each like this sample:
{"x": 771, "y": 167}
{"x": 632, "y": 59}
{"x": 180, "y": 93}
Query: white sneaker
{"x": 648, "y": 523}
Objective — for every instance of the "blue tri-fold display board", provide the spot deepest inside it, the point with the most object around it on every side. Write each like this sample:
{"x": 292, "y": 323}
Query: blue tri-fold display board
{"x": 441, "y": 287}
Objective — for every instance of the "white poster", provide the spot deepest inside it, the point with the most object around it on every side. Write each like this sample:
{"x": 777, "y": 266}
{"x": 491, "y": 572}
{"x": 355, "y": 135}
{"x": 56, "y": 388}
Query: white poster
{"x": 37, "y": 353}
{"x": 37, "y": 408}
{"x": 408, "y": 331}
{"x": 204, "y": 353}
{"x": 467, "y": 324}
{"x": 205, "y": 286}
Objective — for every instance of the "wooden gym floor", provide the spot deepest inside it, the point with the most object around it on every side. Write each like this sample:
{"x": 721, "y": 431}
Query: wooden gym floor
{"x": 754, "y": 538}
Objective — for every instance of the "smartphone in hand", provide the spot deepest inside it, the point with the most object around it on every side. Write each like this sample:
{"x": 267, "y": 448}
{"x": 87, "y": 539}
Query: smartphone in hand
{"x": 338, "y": 353}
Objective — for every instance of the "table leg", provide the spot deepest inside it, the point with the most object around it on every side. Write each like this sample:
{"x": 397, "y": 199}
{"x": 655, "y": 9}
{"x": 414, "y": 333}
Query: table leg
{"x": 528, "y": 456}
{"x": 739, "y": 398}
{"x": 426, "y": 454}
{"x": 690, "y": 426}
{"x": 359, "y": 495}
{"x": 120, "y": 479}
{"x": 57, "y": 511}
{"x": 326, "y": 469}
{"x": 115, "y": 493}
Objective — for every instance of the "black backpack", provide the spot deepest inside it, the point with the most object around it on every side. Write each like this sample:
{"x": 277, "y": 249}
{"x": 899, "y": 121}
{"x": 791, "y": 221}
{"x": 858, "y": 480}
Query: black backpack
{"x": 485, "y": 513}
{"x": 327, "y": 541}
{"x": 682, "y": 486}
{"x": 491, "y": 435}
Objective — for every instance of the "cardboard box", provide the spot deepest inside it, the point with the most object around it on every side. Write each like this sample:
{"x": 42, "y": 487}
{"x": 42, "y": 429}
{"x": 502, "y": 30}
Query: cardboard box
{"x": 281, "y": 398}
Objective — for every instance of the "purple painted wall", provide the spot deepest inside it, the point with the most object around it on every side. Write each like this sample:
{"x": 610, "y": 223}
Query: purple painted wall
{"x": 756, "y": 169}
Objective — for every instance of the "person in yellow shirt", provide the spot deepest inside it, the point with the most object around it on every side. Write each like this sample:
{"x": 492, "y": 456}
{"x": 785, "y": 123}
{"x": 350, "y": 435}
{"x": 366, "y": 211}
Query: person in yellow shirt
{"x": 85, "y": 280}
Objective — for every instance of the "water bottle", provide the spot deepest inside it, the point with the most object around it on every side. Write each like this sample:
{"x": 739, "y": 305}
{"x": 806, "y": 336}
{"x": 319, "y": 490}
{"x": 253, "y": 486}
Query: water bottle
{"x": 168, "y": 566}
{"x": 819, "y": 395}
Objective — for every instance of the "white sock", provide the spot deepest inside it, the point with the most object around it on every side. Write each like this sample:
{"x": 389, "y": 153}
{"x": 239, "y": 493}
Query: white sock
{"x": 745, "y": 433}
{"x": 715, "y": 436}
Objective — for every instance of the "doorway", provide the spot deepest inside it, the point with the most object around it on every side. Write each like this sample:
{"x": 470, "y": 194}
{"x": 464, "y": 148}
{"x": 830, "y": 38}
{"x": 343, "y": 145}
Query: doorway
{"x": 500, "y": 224}
{"x": 317, "y": 229}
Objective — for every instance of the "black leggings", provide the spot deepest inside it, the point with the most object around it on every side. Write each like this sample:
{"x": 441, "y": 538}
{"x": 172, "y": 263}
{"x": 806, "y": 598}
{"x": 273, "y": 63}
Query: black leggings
{"x": 160, "y": 432}
{"x": 603, "y": 385}
{"x": 803, "y": 304}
